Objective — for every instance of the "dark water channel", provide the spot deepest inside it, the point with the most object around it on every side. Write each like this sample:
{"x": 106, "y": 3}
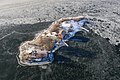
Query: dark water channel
{"x": 91, "y": 58}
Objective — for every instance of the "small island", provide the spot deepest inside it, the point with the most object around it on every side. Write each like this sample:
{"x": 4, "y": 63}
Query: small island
{"x": 41, "y": 49}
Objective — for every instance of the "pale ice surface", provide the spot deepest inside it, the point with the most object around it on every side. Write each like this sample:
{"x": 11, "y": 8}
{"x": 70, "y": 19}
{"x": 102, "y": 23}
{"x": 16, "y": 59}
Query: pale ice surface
{"x": 6, "y": 2}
